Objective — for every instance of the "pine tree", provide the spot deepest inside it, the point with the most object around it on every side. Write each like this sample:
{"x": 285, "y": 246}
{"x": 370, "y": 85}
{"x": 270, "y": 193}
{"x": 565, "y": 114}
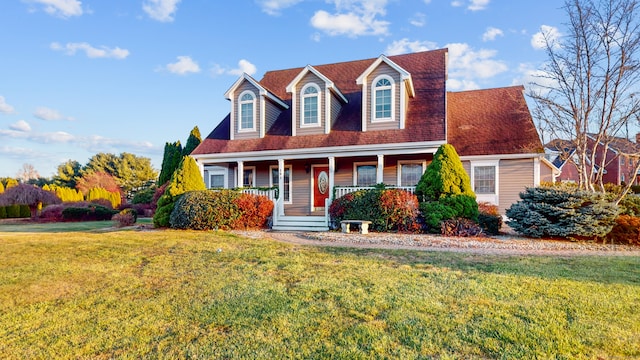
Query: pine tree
{"x": 170, "y": 161}
{"x": 444, "y": 190}
{"x": 187, "y": 177}
{"x": 192, "y": 142}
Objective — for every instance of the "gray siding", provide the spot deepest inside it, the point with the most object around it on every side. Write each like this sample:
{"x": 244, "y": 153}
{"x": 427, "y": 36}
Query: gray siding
{"x": 272, "y": 113}
{"x": 383, "y": 69}
{"x": 336, "y": 106}
{"x": 252, "y": 134}
{"x": 515, "y": 176}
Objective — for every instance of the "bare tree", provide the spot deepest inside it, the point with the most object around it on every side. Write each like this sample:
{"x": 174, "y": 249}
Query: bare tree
{"x": 589, "y": 91}
{"x": 27, "y": 173}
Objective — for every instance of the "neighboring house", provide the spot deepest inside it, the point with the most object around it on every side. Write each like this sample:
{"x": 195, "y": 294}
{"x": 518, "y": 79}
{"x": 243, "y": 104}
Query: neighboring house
{"x": 318, "y": 132}
{"x": 621, "y": 157}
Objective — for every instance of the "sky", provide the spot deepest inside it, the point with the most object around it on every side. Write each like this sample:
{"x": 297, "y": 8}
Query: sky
{"x": 79, "y": 78}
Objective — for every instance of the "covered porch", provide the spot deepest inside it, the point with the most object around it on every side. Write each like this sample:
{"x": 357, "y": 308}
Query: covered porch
{"x": 302, "y": 186}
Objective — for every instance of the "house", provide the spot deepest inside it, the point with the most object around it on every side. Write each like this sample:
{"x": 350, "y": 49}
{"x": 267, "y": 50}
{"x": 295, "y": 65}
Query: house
{"x": 620, "y": 158}
{"x": 315, "y": 133}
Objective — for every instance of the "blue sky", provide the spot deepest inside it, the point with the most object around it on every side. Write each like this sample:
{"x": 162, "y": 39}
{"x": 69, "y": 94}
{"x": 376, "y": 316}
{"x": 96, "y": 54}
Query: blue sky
{"x": 82, "y": 77}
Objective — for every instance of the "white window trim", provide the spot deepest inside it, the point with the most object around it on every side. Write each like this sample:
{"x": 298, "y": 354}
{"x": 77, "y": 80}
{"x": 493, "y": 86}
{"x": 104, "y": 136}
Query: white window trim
{"x": 271, "y": 184}
{"x": 373, "y": 99}
{"x": 490, "y": 198}
{"x": 355, "y": 170}
{"x": 302, "y": 99}
{"x": 217, "y": 170}
{"x": 407, "y": 162}
{"x": 253, "y": 174}
{"x": 240, "y": 103}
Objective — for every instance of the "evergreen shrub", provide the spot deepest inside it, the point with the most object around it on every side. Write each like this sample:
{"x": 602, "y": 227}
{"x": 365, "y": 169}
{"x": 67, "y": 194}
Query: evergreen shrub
{"x": 25, "y": 212}
{"x": 205, "y": 210}
{"x": 561, "y": 212}
{"x": 90, "y": 212}
{"x": 3, "y": 212}
{"x": 444, "y": 190}
{"x": 186, "y": 178}
{"x": 13, "y": 211}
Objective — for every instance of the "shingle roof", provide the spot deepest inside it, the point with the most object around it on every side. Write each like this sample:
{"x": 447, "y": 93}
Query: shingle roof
{"x": 480, "y": 122}
{"x": 491, "y": 121}
{"x": 425, "y": 116}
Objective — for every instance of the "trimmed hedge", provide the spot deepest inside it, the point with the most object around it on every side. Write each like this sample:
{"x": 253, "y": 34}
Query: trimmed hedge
{"x": 220, "y": 209}
{"x": 91, "y": 212}
{"x": 625, "y": 231}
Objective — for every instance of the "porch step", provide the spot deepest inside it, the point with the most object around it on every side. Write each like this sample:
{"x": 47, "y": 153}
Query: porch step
{"x": 301, "y": 223}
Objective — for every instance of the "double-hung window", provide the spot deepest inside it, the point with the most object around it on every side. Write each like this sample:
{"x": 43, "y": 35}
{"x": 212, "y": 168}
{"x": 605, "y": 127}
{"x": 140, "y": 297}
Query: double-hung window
{"x": 410, "y": 173}
{"x": 249, "y": 177}
{"x": 310, "y": 105}
{"x": 247, "y": 110}
{"x": 383, "y": 99}
{"x": 484, "y": 179}
{"x": 365, "y": 174}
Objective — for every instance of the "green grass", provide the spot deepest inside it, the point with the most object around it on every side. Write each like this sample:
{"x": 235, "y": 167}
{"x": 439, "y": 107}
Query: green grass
{"x": 179, "y": 294}
{"x": 63, "y": 226}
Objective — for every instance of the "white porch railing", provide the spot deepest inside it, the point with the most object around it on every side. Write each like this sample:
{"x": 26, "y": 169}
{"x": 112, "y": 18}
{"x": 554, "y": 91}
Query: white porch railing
{"x": 270, "y": 193}
{"x": 343, "y": 190}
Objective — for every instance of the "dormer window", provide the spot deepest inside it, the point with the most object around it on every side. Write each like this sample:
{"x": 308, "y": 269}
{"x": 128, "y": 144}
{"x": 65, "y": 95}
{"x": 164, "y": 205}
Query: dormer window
{"x": 383, "y": 98}
{"x": 310, "y": 105}
{"x": 247, "y": 110}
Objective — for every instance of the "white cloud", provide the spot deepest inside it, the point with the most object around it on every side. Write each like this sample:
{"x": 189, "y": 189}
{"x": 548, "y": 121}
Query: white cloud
{"x": 60, "y": 8}
{"x": 476, "y": 5}
{"x": 183, "y": 66}
{"x": 42, "y": 138}
{"x": 467, "y": 65}
{"x": 418, "y": 20}
{"x": 244, "y": 66}
{"x": 534, "y": 79}
{"x": 353, "y": 18}
{"x": 550, "y": 33}
{"x": 161, "y": 10}
{"x": 4, "y": 107}
{"x": 273, "y": 7}
{"x": 461, "y": 85}
{"x": 404, "y": 46}
{"x": 491, "y": 34}
{"x": 44, "y": 113}
{"x": 90, "y": 51}
{"x": 21, "y": 125}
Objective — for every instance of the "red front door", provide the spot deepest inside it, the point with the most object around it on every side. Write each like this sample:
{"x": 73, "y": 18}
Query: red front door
{"x": 320, "y": 186}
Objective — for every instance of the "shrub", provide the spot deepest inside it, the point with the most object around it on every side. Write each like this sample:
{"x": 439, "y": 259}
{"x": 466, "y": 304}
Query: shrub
{"x": 444, "y": 190}
{"x": 560, "y": 212}
{"x": 89, "y": 212}
{"x": 460, "y": 227}
{"x": 255, "y": 211}
{"x": 489, "y": 218}
{"x": 144, "y": 196}
{"x": 186, "y": 178}
{"x": 144, "y": 210}
{"x": 52, "y": 212}
{"x": 635, "y": 189}
{"x": 387, "y": 209}
{"x": 13, "y": 211}
{"x": 625, "y": 231}
{"x": 630, "y": 205}
{"x": 205, "y": 210}
{"x": 25, "y": 211}
{"x": 126, "y": 217}
{"x": 98, "y": 193}
{"x": 3, "y": 212}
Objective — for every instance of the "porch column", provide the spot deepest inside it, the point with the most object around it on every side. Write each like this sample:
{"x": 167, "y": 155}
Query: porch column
{"x": 281, "y": 185}
{"x": 380, "y": 168}
{"x": 240, "y": 177}
{"x": 332, "y": 170}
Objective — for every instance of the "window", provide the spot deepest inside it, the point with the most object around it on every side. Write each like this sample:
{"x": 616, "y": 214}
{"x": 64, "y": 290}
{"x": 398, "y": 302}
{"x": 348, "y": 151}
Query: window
{"x": 217, "y": 176}
{"x": 410, "y": 173}
{"x": 484, "y": 179}
{"x": 383, "y": 98}
{"x": 216, "y": 181}
{"x": 365, "y": 175}
{"x": 310, "y": 105}
{"x": 287, "y": 181}
{"x": 249, "y": 177}
{"x": 247, "y": 111}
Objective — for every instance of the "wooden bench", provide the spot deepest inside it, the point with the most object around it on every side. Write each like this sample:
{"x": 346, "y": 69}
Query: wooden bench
{"x": 363, "y": 225}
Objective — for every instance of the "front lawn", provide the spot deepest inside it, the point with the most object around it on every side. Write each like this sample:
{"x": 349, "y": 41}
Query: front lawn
{"x": 182, "y": 294}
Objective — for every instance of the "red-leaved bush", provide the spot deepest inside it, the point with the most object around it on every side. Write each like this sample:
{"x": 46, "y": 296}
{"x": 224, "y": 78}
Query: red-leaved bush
{"x": 254, "y": 210}
{"x": 625, "y": 231}
{"x": 399, "y": 209}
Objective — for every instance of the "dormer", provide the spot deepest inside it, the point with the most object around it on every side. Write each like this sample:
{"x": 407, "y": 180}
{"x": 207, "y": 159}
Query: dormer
{"x": 386, "y": 89}
{"x": 315, "y": 102}
{"x": 254, "y": 109}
